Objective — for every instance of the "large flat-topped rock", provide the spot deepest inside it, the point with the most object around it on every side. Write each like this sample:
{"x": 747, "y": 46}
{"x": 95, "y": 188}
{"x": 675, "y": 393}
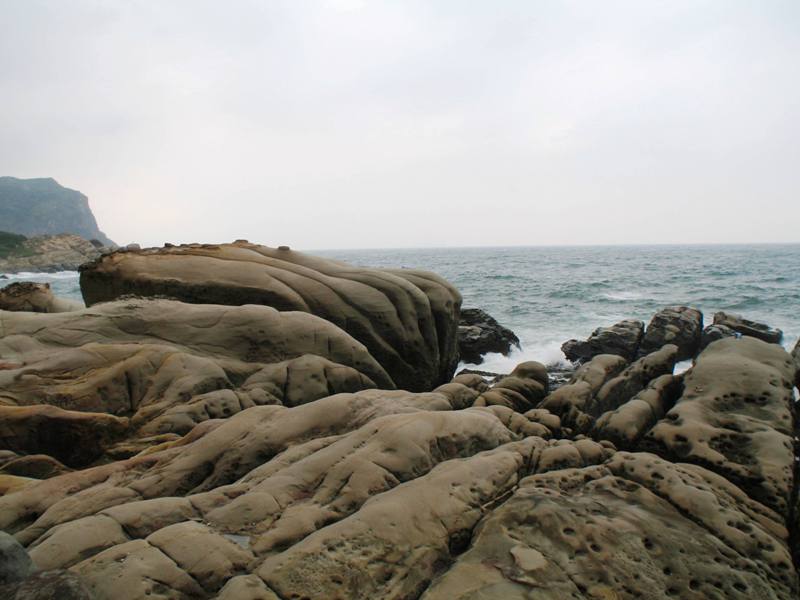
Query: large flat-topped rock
{"x": 407, "y": 319}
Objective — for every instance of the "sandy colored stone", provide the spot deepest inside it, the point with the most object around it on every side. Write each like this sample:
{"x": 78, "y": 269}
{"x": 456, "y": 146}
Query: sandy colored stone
{"x": 635, "y": 527}
{"x": 625, "y": 426}
{"x": 407, "y": 319}
{"x": 735, "y": 417}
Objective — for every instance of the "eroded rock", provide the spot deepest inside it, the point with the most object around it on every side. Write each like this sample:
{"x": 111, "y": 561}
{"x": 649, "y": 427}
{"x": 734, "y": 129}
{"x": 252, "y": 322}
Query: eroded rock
{"x": 736, "y": 418}
{"x": 407, "y": 319}
{"x": 34, "y": 297}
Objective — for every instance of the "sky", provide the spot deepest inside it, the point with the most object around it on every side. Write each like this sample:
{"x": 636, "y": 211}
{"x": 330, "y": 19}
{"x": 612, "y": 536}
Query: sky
{"x": 405, "y": 123}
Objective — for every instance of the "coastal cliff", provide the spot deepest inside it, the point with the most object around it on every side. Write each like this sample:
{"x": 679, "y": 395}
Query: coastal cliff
{"x": 34, "y": 207}
{"x": 47, "y": 253}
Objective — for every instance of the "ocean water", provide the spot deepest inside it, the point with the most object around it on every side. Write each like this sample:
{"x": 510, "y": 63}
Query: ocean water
{"x": 547, "y": 295}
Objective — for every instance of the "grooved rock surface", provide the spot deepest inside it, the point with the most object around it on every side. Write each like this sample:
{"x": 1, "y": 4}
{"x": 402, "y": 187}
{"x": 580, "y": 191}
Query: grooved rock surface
{"x": 679, "y": 325}
{"x": 407, "y": 319}
{"x": 633, "y": 527}
{"x": 75, "y": 383}
{"x": 622, "y": 339}
{"x": 735, "y": 417}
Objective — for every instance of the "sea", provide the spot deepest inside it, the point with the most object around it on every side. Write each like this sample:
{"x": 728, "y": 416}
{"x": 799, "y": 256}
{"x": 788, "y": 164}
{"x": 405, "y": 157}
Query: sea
{"x": 548, "y": 295}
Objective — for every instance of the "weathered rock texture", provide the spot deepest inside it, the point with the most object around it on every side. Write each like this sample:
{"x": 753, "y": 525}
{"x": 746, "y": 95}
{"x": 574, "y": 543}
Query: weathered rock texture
{"x": 42, "y": 206}
{"x": 156, "y": 449}
{"x": 34, "y": 297}
{"x": 74, "y": 384}
{"x": 621, "y": 339}
{"x": 407, "y": 319}
{"x": 735, "y": 418}
{"x": 479, "y": 333}
{"x": 50, "y": 253}
{"x": 678, "y": 325}
{"x": 633, "y": 527}
{"x": 749, "y": 328}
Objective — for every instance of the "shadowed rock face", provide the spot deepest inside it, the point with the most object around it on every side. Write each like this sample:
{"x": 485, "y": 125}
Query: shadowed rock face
{"x": 407, "y": 319}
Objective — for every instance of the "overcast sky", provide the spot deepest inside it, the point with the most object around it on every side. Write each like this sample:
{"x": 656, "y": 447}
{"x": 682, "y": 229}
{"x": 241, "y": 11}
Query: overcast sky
{"x": 355, "y": 124}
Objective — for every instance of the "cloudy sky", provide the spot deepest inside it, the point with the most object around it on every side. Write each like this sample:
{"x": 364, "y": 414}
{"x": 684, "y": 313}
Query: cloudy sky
{"x": 355, "y": 124}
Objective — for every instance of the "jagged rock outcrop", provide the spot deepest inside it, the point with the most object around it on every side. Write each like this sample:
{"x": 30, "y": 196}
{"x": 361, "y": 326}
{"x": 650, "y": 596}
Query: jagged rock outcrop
{"x": 42, "y": 206}
{"x": 736, "y": 418}
{"x": 34, "y": 297}
{"x": 678, "y": 325}
{"x": 407, "y": 319}
{"x": 621, "y": 339}
{"x": 749, "y": 328}
{"x": 479, "y": 333}
{"x": 50, "y": 253}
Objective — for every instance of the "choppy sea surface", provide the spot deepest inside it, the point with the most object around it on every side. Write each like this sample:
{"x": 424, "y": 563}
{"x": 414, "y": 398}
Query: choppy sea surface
{"x": 547, "y": 295}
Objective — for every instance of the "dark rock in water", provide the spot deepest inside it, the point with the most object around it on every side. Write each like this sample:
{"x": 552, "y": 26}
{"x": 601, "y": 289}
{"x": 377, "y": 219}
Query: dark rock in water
{"x": 48, "y": 585}
{"x": 479, "y": 333}
{"x": 796, "y": 357}
{"x": 744, "y": 326}
{"x": 43, "y": 207}
{"x": 407, "y": 319}
{"x": 712, "y": 333}
{"x": 679, "y": 325}
{"x": 27, "y": 296}
{"x": 622, "y": 339}
{"x": 15, "y": 564}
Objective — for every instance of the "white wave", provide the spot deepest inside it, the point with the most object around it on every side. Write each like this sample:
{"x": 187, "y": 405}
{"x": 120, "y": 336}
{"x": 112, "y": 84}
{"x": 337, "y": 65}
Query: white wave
{"x": 548, "y": 353}
{"x": 35, "y": 275}
{"x": 624, "y": 295}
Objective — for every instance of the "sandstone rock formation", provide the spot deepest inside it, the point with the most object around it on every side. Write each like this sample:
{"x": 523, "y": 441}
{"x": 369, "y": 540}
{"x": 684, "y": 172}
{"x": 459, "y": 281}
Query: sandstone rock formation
{"x": 479, "y": 333}
{"x": 748, "y": 327}
{"x": 622, "y": 339}
{"x": 152, "y": 448}
{"x": 407, "y": 319}
{"x": 75, "y": 384}
{"x": 34, "y": 297}
{"x": 679, "y": 325}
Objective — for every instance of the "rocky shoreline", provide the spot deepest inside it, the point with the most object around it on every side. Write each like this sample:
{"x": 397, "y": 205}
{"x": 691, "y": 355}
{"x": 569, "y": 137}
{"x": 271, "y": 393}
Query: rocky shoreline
{"x": 237, "y": 421}
{"x": 50, "y": 254}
